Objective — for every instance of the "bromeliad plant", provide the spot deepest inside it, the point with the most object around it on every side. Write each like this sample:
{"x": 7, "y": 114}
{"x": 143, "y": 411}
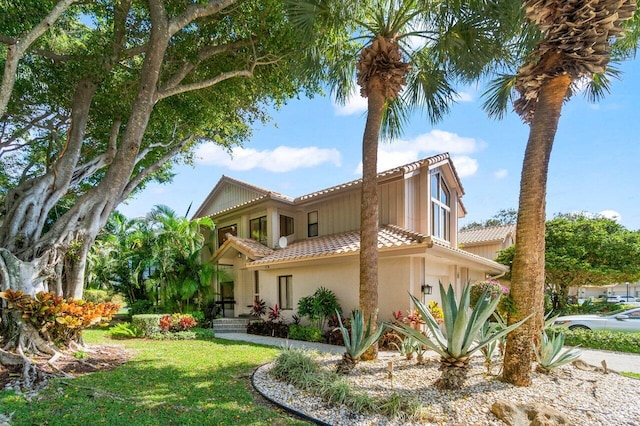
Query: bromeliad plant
{"x": 462, "y": 328}
{"x": 357, "y": 341}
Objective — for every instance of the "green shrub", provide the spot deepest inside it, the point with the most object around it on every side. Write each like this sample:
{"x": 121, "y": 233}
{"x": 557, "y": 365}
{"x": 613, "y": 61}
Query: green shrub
{"x": 306, "y": 333}
{"x": 148, "y": 323}
{"x": 203, "y": 333}
{"x": 96, "y": 296}
{"x": 601, "y": 339}
{"x": 319, "y": 306}
{"x": 125, "y": 330}
{"x": 140, "y": 307}
{"x": 296, "y": 367}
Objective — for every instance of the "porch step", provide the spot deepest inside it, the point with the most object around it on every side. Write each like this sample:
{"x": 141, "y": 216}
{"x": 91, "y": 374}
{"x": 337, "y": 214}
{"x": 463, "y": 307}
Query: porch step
{"x": 230, "y": 325}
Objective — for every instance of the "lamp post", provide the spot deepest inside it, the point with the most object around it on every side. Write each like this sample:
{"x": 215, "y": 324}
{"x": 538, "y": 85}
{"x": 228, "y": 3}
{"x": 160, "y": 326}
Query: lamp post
{"x": 627, "y": 291}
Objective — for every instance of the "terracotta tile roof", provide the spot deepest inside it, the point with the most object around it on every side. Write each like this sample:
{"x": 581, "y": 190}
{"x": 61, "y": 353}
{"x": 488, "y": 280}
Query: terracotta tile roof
{"x": 250, "y": 247}
{"x": 389, "y": 237}
{"x": 486, "y": 235}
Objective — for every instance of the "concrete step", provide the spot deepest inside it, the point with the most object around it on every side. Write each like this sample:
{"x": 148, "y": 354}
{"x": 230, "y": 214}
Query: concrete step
{"x": 230, "y": 325}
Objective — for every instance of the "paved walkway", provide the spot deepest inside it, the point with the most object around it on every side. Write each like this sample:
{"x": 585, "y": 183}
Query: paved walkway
{"x": 616, "y": 361}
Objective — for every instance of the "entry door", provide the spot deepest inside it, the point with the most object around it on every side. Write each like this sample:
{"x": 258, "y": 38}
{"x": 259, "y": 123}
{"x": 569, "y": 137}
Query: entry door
{"x": 227, "y": 298}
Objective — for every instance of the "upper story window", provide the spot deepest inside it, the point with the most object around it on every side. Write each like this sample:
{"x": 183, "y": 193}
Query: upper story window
{"x": 312, "y": 224}
{"x": 286, "y": 225}
{"x": 222, "y": 233}
{"x": 258, "y": 229}
{"x": 440, "y": 207}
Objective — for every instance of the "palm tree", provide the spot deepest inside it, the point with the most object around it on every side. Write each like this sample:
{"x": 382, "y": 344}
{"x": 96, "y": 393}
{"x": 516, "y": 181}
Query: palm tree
{"x": 409, "y": 55}
{"x": 575, "y": 44}
{"x": 179, "y": 269}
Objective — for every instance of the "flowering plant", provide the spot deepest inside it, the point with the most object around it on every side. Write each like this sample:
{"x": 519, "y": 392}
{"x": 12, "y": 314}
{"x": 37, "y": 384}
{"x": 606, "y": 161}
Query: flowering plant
{"x": 494, "y": 289}
{"x": 177, "y": 322}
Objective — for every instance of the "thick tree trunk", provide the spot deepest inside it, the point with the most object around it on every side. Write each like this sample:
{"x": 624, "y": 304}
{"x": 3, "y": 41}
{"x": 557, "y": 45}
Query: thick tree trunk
{"x": 369, "y": 210}
{"x": 527, "y": 272}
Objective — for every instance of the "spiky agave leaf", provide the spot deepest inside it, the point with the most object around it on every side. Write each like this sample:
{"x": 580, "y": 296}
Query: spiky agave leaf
{"x": 461, "y": 329}
{"x": 361, "y": 338}
{"x": 551, "y": 354}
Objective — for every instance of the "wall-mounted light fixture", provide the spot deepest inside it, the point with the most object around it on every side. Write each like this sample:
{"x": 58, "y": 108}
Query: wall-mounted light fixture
{"x": 426, "y": 289}
{"x": 239, "y": 255}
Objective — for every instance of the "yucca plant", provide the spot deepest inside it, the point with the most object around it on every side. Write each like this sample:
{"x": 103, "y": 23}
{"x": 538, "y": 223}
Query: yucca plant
{"x": 357, "y": 341}
{"x": 462, "y": 328}
{"x": 551, "y": 354}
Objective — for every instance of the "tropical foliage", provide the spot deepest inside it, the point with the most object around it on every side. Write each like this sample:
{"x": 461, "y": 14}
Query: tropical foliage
{"x": 319, "y": 306}
{"x": 57, "y": 319}
{"x": 154, "y": 259}
{"x": 461, "y": 335}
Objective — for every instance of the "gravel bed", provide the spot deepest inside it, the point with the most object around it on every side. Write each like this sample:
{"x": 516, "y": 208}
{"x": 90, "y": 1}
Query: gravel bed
{"x": 585, "y": 397}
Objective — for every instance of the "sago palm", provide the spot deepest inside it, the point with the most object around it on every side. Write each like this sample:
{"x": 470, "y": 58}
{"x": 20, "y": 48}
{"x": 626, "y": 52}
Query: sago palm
{"x": 462, "y": 336}
{"x": 574, "y": 44}
{"x": 409, "y": 56}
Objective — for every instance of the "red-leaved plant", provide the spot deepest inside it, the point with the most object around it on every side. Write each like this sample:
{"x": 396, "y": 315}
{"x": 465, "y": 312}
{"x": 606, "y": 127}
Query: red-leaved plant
{"x": 177, "y": 322}
{"x": 57, "y": 319}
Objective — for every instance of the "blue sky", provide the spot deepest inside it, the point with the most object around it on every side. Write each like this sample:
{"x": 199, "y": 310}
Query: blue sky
{"x": 314, "y": 144}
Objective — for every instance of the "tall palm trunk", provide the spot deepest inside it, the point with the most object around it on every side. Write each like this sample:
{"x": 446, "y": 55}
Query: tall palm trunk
{"x": 369, "y": 209}
{"x": 527, "y": 282}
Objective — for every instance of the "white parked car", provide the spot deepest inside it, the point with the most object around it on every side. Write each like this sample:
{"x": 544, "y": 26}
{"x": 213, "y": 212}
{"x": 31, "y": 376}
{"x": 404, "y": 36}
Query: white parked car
{"x": 621, "y": 299}
{"x": 626, "y": 320}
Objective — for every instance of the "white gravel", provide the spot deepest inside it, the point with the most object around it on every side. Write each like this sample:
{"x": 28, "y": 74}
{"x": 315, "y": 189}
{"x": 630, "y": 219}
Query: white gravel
{"x": 585, "y": 397}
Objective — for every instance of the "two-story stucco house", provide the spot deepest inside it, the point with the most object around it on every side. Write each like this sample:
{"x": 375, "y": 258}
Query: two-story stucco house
{"x": 279, "y": 249}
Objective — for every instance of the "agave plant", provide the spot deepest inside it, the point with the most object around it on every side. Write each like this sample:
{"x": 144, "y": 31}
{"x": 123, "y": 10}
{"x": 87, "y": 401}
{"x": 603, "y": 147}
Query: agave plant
{"x": 357, "y": 341}
{"x": 551, "y": 355}
{"x": 490, "y": 349}
{"x": 462, "y": 328}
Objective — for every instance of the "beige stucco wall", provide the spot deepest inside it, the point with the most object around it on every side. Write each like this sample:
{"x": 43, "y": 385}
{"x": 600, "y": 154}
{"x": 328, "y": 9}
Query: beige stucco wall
{"x": 397, "y": 277}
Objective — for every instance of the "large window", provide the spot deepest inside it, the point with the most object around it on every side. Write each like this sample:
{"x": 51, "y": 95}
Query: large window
{"x": 222, "y": 233}
{"x": 285, "y": 292}
{"x": 312, "y": 224}
{"x": 258, "y": 229}
{"x": 440, "y": 207}
{"x": 286, "y": 225}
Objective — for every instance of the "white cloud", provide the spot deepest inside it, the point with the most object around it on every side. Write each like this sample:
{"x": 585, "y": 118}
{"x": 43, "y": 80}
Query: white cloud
{"x": 278, "y": 160}
{"x": 465, "y": 166}
{"x": 355, "y": 104}
{"x": 501, "y": 174}
{"x": 611, "y": 214}
{"x": 401, "y": 152}
{"x": 464, "y": 97}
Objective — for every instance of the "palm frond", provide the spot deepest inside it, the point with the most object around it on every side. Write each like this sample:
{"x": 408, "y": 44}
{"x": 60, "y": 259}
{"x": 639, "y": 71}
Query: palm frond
{"x": 499, "y": 95}
{"x": 599, "y": 85}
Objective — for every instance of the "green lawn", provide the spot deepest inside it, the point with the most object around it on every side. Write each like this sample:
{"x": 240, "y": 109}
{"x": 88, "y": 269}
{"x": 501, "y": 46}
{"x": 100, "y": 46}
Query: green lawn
{"x": 194, "y": 382}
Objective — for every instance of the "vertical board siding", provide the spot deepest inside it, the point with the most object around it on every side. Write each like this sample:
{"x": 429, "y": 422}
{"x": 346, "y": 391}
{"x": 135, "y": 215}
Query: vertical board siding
{"x": 231, "y": 196}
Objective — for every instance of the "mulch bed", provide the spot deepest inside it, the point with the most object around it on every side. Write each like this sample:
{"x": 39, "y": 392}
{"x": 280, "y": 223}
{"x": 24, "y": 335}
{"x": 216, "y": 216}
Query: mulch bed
{"x": 99, "y": 358}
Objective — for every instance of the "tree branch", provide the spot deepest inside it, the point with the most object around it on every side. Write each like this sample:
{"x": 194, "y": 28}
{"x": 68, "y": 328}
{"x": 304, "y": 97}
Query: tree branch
{"x": 206, "y": 53}
{"x": 203, "y": 84}
{"x": 85, "y": 170}
{"x": 15, "y": 51}
{"x": 196, "y": 11}
{"x": 148, "y": 171}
